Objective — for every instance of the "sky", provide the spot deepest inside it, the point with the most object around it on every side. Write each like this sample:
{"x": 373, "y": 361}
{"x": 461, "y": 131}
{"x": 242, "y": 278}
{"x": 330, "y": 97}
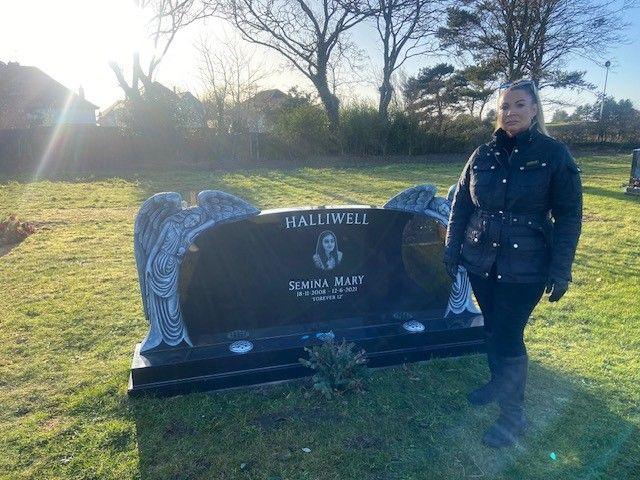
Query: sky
{"x": 74, "y": 40}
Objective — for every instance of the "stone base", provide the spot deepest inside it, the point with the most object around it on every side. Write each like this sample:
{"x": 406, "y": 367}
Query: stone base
{"x": 633, "y": 191}
{"x": 214, "y": 367}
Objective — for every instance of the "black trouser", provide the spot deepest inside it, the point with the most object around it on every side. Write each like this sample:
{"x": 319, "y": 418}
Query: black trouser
{"x": 506, "y": 308}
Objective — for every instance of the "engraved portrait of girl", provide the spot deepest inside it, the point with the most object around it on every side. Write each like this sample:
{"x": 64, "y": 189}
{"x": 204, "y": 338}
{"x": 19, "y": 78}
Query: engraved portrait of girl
{"x": 327, "y": 255}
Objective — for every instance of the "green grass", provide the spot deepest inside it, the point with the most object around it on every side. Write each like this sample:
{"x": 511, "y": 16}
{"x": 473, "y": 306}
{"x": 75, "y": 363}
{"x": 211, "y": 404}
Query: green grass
{"x": 71, "y": 314}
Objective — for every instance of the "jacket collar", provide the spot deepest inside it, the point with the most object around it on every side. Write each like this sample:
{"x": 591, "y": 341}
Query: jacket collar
{"x": 501, "y": 137}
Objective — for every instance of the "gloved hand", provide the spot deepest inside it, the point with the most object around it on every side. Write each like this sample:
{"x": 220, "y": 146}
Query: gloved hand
{"x": 452, "y": 269}
{"x": 557, "y": 288}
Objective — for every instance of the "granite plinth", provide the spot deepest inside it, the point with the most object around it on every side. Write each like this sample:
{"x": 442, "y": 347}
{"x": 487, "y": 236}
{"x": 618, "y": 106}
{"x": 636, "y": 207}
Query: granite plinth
{"x": 273, "y": 359}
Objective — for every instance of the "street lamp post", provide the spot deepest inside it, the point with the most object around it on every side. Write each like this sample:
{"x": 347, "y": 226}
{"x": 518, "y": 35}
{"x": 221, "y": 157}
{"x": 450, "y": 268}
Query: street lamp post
{"x": 607, "y": 64}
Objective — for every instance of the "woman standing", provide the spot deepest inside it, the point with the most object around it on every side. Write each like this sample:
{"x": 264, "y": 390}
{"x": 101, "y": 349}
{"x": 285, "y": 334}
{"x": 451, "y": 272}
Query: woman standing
{"x": 515, "y": 221}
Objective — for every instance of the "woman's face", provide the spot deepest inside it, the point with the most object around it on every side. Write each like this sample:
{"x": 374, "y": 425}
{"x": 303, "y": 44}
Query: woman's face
{"x": 329, "y": 243}
{"x": 516, "y": 110}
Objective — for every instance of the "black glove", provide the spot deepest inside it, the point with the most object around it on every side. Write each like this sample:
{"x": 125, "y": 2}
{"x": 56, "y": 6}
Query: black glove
{"x": 452, "y": 269}
{"x": 557, "y": 288}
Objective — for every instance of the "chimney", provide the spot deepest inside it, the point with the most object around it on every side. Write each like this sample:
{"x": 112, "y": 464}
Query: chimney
{"x": 81, "y": 92}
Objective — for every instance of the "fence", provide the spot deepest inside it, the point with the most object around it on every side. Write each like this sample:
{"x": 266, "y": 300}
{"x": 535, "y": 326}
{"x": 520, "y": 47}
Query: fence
{"x": 86, "y": 149}
{"x": 589, "y": 134}
{"x": 82, "y": 149}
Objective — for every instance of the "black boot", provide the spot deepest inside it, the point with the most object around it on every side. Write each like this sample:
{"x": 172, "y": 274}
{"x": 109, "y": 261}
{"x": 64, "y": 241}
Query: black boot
{"x": 487, "y": 393}
{"x": 511, "y": 422}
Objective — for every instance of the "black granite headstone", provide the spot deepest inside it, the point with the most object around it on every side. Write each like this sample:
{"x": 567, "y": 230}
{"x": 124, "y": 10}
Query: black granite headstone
{"x": 634, "y": 179}
{"x": 234, "y": 299}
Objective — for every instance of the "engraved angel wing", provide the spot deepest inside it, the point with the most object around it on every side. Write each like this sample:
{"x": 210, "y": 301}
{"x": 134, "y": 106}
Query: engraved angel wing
{"x": 415, "y": 199}
{"x": 422, "y": 199}
{"x": 222, "y": 206}
{"x": 442, "y": 207}
{"x": 148, "y": 226}
{"x": 451, "y": 192}
{"x": 163, "y": 233}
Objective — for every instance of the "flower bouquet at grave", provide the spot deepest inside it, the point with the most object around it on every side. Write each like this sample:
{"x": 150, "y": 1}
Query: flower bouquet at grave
{"x": 339, "y": 367}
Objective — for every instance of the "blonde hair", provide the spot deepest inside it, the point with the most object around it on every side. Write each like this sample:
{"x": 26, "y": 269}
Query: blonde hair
{"x": 530, "y": 88}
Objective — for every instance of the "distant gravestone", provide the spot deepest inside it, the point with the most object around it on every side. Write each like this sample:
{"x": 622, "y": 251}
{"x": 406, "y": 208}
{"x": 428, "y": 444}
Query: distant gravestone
{"x": 233, "y": 295}
{"x": 634, "y": 180}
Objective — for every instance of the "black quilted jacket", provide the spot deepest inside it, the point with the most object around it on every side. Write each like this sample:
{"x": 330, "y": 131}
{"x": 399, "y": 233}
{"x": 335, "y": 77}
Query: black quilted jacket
{"x": 521, "y": 210}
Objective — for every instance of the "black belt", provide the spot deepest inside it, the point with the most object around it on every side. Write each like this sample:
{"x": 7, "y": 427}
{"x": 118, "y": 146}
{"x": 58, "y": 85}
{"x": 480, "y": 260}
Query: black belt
{"x": 514, "y": 218}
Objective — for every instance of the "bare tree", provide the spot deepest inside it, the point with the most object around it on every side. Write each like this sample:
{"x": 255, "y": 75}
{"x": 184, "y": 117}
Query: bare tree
{"x": 305, "y": 32}
{"x": 345, "y": 67}
{"x": 399, "y": 82}
{"x": 231, "y": 73}
{"x": 535, "y": 37}
{"x": 406, "y": 29}
{"x": 168, "y": 17}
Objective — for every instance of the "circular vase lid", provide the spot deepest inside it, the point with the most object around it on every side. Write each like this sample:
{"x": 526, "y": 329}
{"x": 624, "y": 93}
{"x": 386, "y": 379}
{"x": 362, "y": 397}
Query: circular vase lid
{"x": 413, "y": 326}
{"x": 241, "y": 346}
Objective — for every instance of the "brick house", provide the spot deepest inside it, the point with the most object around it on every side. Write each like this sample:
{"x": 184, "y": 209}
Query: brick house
{"x": 31, "y": 98}
{"x": 189, "y": 110}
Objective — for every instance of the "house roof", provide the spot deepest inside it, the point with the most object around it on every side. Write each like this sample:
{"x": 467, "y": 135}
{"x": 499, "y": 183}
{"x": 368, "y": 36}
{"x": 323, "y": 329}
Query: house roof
{"x": 267, "y": 99}
{"x": 34, "y": 89}
{"x": 258, "y": 111}
{"x": 175, "y": 94}
{"x": 160, "y": 88}
{"x": 114, "y": 106}
{"x": 195, "y": 101}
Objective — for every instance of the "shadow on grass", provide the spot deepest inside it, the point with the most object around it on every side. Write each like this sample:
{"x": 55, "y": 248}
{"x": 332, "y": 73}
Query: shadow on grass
{"x": 614, "y": 194}
{"x": 413, "y": 423}
{"x": 301, "y": 186}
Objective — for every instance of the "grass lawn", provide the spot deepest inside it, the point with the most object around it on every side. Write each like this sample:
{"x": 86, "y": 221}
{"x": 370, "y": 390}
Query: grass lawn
{"x": 71, "y": 314}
